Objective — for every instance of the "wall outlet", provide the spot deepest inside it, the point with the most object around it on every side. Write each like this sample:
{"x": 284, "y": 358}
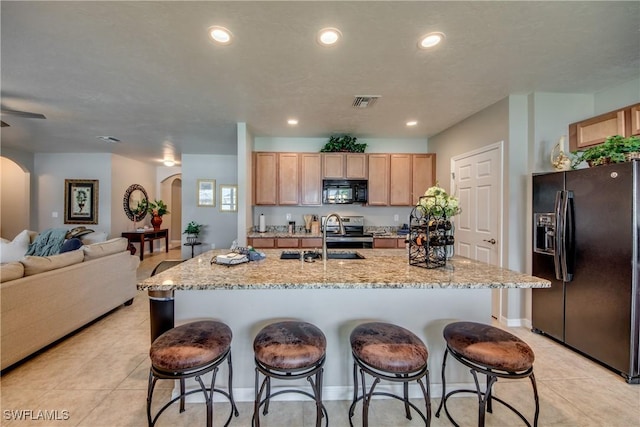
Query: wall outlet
{"x": 396, "y": 217}
{"x": 288, "y": 217}
{"x": 54, "y": 214}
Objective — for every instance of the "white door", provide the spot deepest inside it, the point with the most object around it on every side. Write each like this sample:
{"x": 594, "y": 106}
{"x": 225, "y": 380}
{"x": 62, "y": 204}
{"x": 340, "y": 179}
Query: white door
{"x": 477, "y": 181}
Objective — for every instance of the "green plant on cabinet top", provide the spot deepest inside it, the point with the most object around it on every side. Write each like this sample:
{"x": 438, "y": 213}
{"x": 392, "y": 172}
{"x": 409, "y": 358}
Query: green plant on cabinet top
{"x": 615, "y": 149}
{"x": 344, "y": 143}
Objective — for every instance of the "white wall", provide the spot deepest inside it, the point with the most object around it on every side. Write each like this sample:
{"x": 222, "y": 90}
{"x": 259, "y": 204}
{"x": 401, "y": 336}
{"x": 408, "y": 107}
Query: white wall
{"x": 374, "y": 145}
{"x": 246, "y": 144}
{"x": 15, "y": 193}
{"x": 220, "y": 227}
{"x": 627, "y": 93}
{"x": 25, "y": 160}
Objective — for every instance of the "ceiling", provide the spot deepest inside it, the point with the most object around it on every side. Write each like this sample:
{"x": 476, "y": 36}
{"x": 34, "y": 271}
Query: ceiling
{"x": 147, "y": 74}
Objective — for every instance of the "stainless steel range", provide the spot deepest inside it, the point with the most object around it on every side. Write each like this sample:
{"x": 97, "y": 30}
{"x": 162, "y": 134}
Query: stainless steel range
{"x": 354, "y": 236}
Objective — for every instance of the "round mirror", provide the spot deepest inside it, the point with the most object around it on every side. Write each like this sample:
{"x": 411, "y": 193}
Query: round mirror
{"x": 134, "y": 202}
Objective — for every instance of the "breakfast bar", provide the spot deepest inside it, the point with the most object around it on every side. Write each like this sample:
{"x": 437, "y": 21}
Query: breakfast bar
{"x": 381, "y": 286}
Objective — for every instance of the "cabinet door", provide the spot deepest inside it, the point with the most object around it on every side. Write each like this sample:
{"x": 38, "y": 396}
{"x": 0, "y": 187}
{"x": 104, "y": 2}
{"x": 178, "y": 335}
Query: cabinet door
{"x": 264, "y": 243}
{"x": 423, "y": 169}
{"x": 265, "y": 178}
{"x": 385, "y": 243}
{"x": 332, "y": 165}
{"x": 288, "y": 174}
{"x": 311, "y": 178}
{"x": 400, "y": 186}
{"x": 356, "y": 166}
{"x": 635, "y": 120}
{"x": 378, "y": 179}
{"x": 287, "y": 242}
{"x": 311, "y": 242}
{"x": 595, "y": 130}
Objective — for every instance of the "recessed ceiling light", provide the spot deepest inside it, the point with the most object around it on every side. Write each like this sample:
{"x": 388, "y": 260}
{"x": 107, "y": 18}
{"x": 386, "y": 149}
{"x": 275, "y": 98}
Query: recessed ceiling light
{"x": 430, "y": 40}
{"x": 220, "y": 35}
{"x": 412, "y": 123}
{"x": 169, "y": 162}
{"x": 292, "y": 122}
{"x": 329, "y": 36}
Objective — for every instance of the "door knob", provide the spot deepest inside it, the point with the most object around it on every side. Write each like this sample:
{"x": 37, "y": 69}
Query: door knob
{"x": 492, "y": 241}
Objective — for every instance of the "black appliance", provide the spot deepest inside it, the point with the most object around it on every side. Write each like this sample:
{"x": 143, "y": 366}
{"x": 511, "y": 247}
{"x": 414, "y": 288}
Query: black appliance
{"x": 586, "y": 226}
{"x": 344, "y": 191}
{"x": 354, "y": 236}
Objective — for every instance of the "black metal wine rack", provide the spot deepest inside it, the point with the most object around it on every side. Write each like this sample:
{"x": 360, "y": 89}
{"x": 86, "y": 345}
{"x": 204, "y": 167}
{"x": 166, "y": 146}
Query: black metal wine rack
{"x": 430, "y": 237}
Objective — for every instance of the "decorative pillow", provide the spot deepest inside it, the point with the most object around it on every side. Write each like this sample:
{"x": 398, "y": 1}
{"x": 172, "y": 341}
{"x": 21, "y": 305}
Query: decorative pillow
{"x": 71, "y": 245}
{"x": 98, "y": 250}
{"x": 40, "y": 264}
{"x": 11, "y": 271}
{"x": 95, "y": 237}
{"x": 14, "y": 250}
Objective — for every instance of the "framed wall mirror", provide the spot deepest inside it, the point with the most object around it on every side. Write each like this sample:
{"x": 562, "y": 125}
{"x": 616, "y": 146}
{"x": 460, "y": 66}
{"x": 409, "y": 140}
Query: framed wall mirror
{"x": 135, "y": 202}
{"x": 207, "y": 192}
{"x": 228, "y": 198}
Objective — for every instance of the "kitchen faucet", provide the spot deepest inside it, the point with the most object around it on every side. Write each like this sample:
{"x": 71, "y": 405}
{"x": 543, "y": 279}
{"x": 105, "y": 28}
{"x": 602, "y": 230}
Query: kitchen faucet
{"x": 324, "y": 235}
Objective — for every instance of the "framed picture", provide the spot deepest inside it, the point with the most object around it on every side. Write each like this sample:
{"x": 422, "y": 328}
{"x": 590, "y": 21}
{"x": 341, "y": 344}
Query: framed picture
{"x": 228, "y": 198}
{"x": 207, "y": 192}
{"x": 80, "y": 201}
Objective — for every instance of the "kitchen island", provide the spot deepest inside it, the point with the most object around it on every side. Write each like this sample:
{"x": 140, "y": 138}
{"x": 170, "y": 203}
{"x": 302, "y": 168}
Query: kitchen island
{"x": 382, "y": 286}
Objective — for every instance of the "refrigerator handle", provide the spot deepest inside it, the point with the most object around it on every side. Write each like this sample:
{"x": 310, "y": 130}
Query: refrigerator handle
{"x": 567, "y": 237}
{"x": 559, "y": 235}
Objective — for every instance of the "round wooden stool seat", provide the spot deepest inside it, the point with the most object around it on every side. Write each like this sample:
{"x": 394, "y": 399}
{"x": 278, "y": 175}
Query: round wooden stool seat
{"x": 489, "y": 346}
{"x": 289, "y": 345}
{"x": 190, "y": 346}
{"x": 388, "y": 347}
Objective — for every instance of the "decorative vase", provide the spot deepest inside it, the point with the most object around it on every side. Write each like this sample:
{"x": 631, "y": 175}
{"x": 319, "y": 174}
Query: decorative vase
{"x": 156, "y": 221}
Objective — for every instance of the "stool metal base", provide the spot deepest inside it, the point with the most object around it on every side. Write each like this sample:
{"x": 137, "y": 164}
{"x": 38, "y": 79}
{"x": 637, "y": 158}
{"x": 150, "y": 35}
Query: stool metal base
{"x": 156, "y": 374}
{"x": 313, "y": 374}
{"x": 404, "y": 378}
{"x": 486, "y": 398}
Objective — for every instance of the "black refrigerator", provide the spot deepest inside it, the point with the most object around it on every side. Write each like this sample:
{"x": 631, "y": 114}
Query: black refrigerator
{"x": 585, "y": 241}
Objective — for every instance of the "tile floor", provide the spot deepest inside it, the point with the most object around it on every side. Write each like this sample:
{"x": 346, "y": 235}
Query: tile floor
{"x": 98, "y": 377}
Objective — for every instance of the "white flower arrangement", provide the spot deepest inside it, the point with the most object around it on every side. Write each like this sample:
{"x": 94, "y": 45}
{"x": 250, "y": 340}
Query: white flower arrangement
{"x": 439, "y": 203}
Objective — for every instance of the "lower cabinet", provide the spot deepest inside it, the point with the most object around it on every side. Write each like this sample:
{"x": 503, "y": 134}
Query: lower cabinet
{"x": 388, "y": 243}
{"x": 285, "y": 242}
{"x": 262, "y": 242}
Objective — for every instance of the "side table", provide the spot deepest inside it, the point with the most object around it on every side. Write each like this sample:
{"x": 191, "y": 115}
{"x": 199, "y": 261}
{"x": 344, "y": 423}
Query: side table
{"x": 147, "y": 236}
{"x": 193, "y": 245}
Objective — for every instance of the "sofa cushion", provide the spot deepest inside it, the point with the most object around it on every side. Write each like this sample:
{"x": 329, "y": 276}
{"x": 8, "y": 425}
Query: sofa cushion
{"x": 95, "y": 237}
{"x": 14, "y": 250}
{"x": 98, "y": 250}
{"x": 71, "y": 245}
{"x": 11, "y": 271}
{"x": 40, "y": 264}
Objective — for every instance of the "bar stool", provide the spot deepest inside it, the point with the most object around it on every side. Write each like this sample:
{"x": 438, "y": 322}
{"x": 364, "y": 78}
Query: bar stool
{"x": 392, "y": 353}
{"x": 289, "y": 350}
{"x": 490, "y": 351}
{"x": 191, "y": 351}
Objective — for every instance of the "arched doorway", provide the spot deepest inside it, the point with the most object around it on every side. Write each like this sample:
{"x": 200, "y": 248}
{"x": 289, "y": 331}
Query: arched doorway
{"x": 15, "y": 194}
{"x": 171, "y": 191}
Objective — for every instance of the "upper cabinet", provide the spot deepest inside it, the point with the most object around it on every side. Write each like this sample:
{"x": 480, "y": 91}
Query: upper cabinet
{"x": 344, "y": 166}
{"x": 594, "y": 131}
{"x": 296, "y": 178}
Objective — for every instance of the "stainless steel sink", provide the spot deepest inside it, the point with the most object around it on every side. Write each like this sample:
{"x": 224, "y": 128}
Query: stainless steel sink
{"x": 344, "y": 255}
{"x": 290, "y": 255}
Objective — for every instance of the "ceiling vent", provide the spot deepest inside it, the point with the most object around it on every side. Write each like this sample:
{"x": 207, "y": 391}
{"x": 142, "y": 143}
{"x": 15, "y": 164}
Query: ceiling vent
{"x": 365, "y": 101}
{"x": 108, "y": 138}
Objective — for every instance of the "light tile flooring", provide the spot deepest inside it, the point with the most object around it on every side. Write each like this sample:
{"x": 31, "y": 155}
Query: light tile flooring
{"x": 98, "y": 377}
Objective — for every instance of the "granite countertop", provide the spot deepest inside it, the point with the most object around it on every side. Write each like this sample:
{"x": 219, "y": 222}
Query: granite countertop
{"x": 303, "y": 235}
{"x": 381, "y": 268}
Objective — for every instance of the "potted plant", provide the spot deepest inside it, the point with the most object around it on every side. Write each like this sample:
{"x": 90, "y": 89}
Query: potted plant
{"x": 612, "y": 150}
{"x": 157, "y": 209}
{"x": 192, "y": 231}
{"x": 631, "y": 148}
{"x": 344, "y": 143}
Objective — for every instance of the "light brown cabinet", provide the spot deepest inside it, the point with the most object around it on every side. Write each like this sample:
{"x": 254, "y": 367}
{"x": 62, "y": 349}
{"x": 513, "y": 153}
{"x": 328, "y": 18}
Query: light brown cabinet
{"x": 311, "y": 242}
{"x": 400, "y": 180}
{"x": 378, "y": 187}
{"x": 285, "y": 242}
{"x": 288, "y": 173}
{"x": 409, "y": 177}
{"x": 265, "y": 178}
{"x": 344, "y": 166}
{"x": 262, "y": 242}
{"x": 388, "y": 243}
{"x": 310, "y": 179}
{"x": 423, "y": 175}
{"x": 595, "y": 130}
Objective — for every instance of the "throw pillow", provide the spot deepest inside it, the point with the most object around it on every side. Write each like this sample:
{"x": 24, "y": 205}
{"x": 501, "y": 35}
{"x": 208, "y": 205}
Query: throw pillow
{"x": 14, "y": 250}
{"x": 71, "y": 245}
{"x": 98, "y": 250}
{"x": 40, "y": 264}
{"x": 11, "y": 271}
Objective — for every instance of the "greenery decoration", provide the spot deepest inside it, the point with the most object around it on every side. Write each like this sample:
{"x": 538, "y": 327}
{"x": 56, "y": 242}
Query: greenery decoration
{"x": 615, "y": 149}
{"x": 157, "y": 208}
{"x": 344, "y": 143}
{"x": 193, "y": 228}
{"x": 439, "y": 203}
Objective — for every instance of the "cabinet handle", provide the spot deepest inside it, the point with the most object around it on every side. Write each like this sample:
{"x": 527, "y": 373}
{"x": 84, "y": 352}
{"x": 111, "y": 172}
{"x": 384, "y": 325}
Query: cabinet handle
{"x": 492, "y": 241}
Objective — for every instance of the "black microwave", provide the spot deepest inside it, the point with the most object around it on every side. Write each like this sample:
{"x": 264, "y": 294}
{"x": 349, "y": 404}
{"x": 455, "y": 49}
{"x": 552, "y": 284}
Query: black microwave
{"x": 344, "y": 191}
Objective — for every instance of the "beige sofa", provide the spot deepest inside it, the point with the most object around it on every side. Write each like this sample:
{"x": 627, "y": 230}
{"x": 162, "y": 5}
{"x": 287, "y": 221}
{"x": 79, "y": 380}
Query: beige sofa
{"x": 42, "y": 299}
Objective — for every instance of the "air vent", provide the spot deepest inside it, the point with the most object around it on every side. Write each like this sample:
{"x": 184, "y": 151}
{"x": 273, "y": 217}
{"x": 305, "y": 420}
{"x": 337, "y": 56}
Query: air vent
{"x": 108, "y": 138}
{"x": 365, "y": 101}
